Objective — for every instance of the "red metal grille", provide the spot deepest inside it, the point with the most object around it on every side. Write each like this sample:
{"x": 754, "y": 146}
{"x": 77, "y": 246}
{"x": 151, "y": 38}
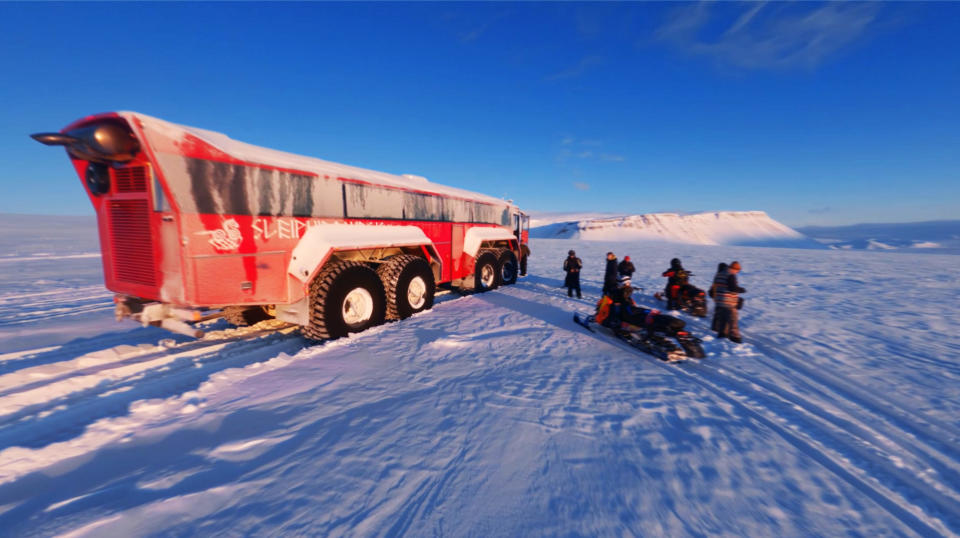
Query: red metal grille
{"x": 131, "y": 179}
{"x": 132, "y": 242}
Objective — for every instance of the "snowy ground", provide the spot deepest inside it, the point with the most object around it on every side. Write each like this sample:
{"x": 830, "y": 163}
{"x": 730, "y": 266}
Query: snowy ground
{"x": 493, "y": 415}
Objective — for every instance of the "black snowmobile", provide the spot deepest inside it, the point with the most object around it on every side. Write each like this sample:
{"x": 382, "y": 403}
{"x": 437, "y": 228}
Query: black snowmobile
{"x": 682, "y": 295}
{"x": 658, "y": 334}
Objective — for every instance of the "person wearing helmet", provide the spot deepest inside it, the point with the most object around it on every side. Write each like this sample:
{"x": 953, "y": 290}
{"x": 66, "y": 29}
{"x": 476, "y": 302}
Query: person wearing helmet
{"x": 628, "y": 311}
{"x": 572, "y": 266}
{"x": 676, "y": 277}
{"x": 626, "y": 268}
{"x": 727, "y": 295}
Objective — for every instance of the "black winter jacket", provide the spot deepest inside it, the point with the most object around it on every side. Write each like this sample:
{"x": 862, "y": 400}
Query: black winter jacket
{"x": 610, "y": 277}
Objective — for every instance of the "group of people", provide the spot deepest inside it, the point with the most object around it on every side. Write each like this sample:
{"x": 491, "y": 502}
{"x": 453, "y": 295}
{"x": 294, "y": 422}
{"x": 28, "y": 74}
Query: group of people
{"x": 725, "y": 290}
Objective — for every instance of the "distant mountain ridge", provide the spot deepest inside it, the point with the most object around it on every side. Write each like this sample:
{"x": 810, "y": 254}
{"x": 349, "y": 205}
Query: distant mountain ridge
{"x": 754, "y": 228}
{"x": 931, "y": 237}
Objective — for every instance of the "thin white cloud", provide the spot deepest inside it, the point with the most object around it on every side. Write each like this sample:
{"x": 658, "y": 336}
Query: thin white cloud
{"x": 477, "y": 31}
{"x": 577, "y": 70}
{"x": 579, "y": 185}
{"x": 780, "y": 36}
{"x": 576, "y": 148}
{"x": 746, "y": 18}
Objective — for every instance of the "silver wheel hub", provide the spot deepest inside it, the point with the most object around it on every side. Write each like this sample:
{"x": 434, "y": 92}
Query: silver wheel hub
{"x": 487, "y": 275}
{"x": 357, "y": 307}
{"x": 417, "y": 293}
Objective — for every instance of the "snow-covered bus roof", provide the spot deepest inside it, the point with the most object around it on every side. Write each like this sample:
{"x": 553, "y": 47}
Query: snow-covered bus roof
{"x": 155, "y": 129}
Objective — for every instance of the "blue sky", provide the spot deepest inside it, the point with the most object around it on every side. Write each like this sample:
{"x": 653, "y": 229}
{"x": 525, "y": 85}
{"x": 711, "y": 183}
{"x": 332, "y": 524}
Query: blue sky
{"x": 815, "y": 113}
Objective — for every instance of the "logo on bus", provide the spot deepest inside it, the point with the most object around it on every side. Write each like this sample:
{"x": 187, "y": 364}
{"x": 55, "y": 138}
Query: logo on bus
{"x": 228, "y": 237}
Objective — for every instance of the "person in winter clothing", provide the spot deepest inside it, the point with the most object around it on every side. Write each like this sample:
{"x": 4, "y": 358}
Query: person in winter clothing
{"x": 676, "y": 277}
{"x": 524, "y": 253}
{"x": 721, "y": 267}
{"x": 727, "y": 296}
{"x": 572, "y": 266}
{"x": 626, "y": 268}
{"x": 627, "y": 311}
{"x": 610, "y": 277}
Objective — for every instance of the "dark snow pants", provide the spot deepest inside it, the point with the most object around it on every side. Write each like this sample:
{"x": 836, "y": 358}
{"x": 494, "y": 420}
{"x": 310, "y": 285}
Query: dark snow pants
{"x": 572, "y": 282}
{"x": 727, "y": 322}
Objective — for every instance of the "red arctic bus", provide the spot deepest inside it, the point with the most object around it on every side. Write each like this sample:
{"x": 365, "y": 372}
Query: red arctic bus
{"x": 192, "y": 221}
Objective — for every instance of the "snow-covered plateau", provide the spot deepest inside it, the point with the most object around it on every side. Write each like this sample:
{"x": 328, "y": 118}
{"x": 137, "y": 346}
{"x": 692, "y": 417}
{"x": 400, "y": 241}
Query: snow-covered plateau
{"x": 746, "y": 228}
{"x": 491, "y": 414}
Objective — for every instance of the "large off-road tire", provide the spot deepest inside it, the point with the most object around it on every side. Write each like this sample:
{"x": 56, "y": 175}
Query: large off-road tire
{"x": 242, "y": 316}
{"x": 507, "y": 267}
{"x": 409, "y": 285}
{"x": 346, "y": 297}
{"x": 486, "y": 275}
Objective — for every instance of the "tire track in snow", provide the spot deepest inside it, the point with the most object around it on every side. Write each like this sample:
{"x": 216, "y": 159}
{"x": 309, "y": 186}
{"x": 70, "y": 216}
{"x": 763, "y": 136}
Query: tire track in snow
{"x": 919, "y": 437}
{"x": 896, "y": 413}
{"x": 904, "y": 351}
{"x": 81, "y": 346}
{"x": 40, "y": 306}
{"x": 936, "y": 441}
{"x": 135, "y": 335}
{"x": 850, "y": 445}
{"x": 845, "y": 455}
{"x": 165, "y": 370}
{"x": 894, "y": 448}
{"x": 50, "y": 420}
{"x": 835, "y": 457}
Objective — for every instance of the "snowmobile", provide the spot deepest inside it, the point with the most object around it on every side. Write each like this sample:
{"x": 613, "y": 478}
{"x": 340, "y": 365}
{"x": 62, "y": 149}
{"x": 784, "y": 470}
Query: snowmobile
{"x": 657, "y": 340}
{"x": 684, "y": 296}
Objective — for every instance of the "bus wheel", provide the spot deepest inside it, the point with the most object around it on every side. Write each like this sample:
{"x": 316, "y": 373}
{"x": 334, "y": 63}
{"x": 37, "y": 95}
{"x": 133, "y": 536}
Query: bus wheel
{"x": 346, "y": 297}
{"x": 409, "y": 285}
{"x": 485, "y": 272}
{"x": 241, "y": 316}
{"x": 507, "y": 267}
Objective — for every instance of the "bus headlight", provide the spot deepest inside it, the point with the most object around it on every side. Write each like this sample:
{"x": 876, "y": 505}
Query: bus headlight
{"x": 98, "y": 178}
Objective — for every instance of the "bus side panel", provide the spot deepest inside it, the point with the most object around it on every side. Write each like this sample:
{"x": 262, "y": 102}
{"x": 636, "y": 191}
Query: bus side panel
{"x": 226, "y": 279}
{"x": 439, "y": 233}
{"x": 456, "y": 251}
{"x": 172, "y": 283}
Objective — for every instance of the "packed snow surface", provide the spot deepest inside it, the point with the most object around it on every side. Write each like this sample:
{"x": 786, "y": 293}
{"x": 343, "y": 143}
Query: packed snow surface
{"x": 493, "y": 414}
{"x": 754, "y": 228}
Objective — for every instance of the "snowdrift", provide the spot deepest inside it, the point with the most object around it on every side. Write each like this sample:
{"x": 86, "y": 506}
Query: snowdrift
{"x": 746, "y": 228}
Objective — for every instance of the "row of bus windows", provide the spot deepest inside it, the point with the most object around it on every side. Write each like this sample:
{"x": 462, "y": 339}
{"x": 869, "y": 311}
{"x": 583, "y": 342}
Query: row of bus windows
{"x": 222, "y": 188}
